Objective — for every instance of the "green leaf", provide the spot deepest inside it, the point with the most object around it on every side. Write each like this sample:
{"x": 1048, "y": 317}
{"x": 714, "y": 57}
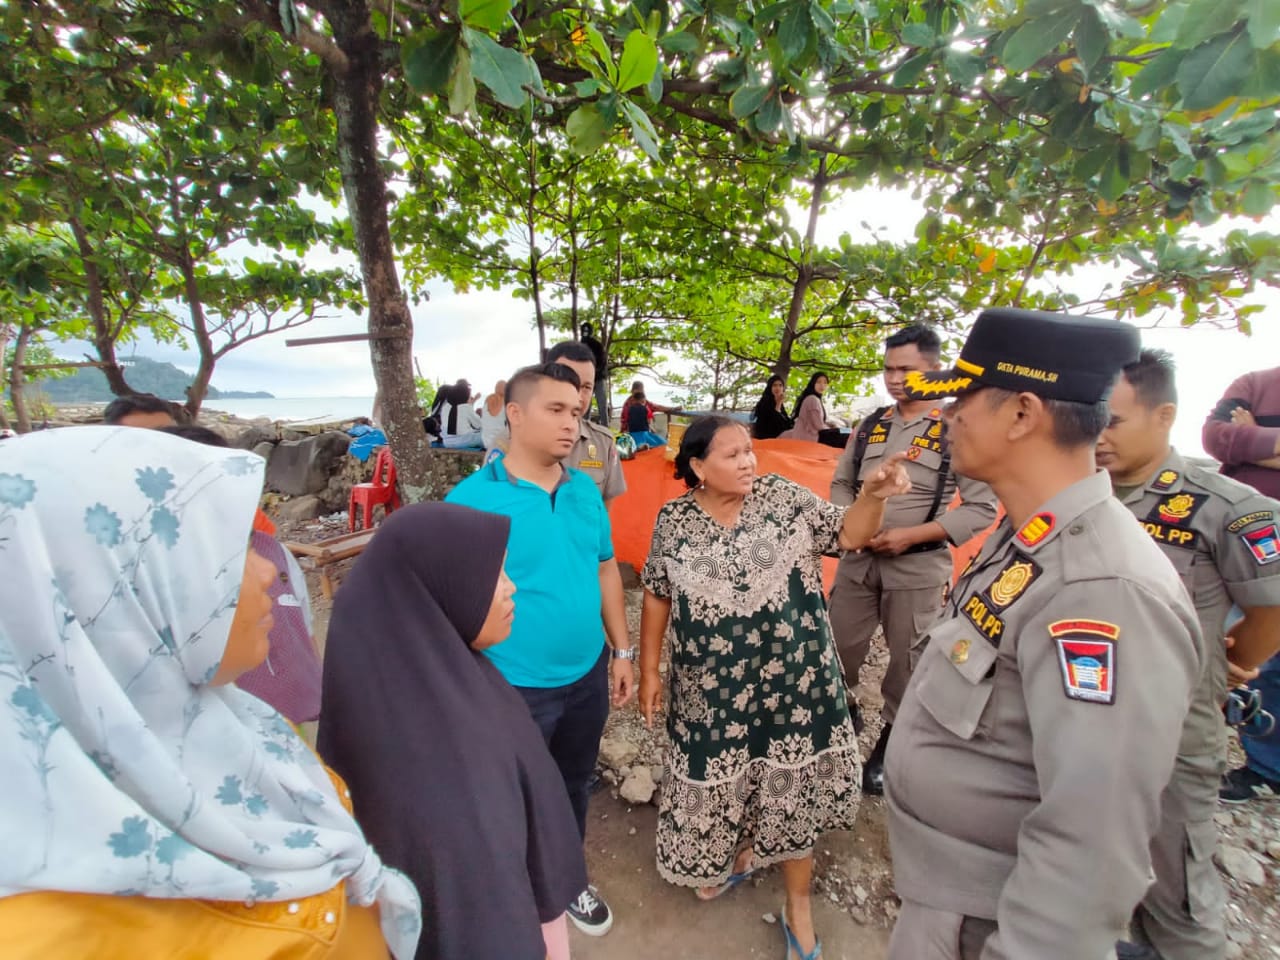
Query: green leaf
{"x": 428, "y": 64}
{"x": 871, "y": 114}
{"x": 653, "y": 89}
{"x": 964, "y": 68}
{"x": 1092, "y": 40}
{"x": 1204, "y": 19}
{"x": 586, "y": 129}
{"x": 746, "y": 99}
{"x": 1258, "y": 199}
{"x": 794, "y": 30}
{"x": 769, "y": 116}
{"x": 680, "y": 41}
{"x": 1158, "y": 74}
{"x": 503, "y": 71}
{"x": 1039, "y": 37}
{"x": 1264, "y": 22}
{"x": 491, "y": 15}
{"x": 1088, "y": 166}
{"x": 1114, "y": 180}
{"x": 1215, "y": 70}
{"x": 910, "y": 71}
{"x": 642, "y": 129}
{"x": 639, "y": 60}
{"x": 462, "y": 86}
{"x": 918, "y": 35}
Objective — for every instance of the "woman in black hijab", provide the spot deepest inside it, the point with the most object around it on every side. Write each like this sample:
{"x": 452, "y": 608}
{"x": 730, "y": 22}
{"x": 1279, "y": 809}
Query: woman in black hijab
{"x": 771, "y": 411}
{"x": 451, "y": 777}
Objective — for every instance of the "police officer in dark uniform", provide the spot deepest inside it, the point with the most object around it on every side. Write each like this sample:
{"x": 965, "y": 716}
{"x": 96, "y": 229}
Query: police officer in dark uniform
{"x": 897, "y": 582}
{"x": 1216, "y": 532}
{"x": 1040, "y": 726}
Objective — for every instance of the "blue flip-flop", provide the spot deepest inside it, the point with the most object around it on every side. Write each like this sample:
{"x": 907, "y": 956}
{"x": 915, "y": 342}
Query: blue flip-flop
{"x": 733, "y": 881}
{"x": 793, "y": 945}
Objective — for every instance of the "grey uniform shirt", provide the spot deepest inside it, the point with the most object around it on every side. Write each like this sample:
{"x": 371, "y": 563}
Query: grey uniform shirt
{"x": 1216, "y": 532}
{"x": 1039, "y": 729}
{"x": 596, "y": 455}
{"x": 924, "y": 440}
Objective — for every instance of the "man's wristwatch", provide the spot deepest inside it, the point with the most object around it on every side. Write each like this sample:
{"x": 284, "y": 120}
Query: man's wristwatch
{"x": 627, "y": 654}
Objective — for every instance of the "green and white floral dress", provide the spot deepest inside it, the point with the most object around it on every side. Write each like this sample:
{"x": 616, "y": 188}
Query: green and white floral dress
{"x": 763, "y": 752}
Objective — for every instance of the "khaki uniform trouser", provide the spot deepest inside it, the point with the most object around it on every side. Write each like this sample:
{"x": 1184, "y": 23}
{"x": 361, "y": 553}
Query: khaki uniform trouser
{"x": 923, "y": 933}
{"x": 1183, "y": 914}
{"x": 856, "y": 609}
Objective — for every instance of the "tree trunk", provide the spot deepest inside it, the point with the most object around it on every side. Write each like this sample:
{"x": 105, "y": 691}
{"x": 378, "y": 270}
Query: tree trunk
{"x": 804, "y": 275}
{"x": 200, "y": 331}
{"x": 355, "y": 104}
{"x": 103, "y": 336}
{"x": 531, "y": 223}
{"x": 17, "y": 381}
{"x": 6, "y": 334}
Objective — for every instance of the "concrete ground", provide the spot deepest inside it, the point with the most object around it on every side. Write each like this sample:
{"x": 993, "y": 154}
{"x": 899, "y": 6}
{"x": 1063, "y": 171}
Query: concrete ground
{"x": 654, "y": 920}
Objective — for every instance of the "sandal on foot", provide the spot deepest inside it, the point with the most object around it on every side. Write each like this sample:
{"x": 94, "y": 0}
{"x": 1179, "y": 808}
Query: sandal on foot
{"x": 717, "y": 892}
{"x": 794, "y": 950}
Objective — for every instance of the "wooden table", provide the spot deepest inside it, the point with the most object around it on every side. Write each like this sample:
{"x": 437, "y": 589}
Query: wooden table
{"x": 322, "y": 554}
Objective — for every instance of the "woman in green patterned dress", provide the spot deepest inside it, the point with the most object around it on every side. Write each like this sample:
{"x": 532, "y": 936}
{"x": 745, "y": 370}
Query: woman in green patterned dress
{"x": 763, "y": 756}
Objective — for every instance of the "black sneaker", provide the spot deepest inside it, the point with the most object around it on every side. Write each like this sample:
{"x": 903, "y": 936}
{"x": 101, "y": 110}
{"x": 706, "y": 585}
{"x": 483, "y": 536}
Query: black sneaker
{"x": 590, "y": 914}
{"x": 1242, "y": 785}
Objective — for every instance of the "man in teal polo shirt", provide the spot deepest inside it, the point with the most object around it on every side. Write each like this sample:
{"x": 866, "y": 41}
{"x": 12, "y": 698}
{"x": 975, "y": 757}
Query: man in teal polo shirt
{"x": 560, "y": 556}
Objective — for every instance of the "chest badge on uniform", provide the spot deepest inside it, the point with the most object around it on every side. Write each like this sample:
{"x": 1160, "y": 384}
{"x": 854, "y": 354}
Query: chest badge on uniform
{"x": 913, "y": 453}
{"x": 591, "y": 450}
{"x": 1087, "y": 658}
{"x": 935, "y": 432}
{"x": 960, "y": 652}
{"x": 1179, "y": 509}
{"x": 1013, "y": 580}
{"x": 1166, "y": 480}
{"x": 1037, "y": 528}
{"x": 1263, "y": 543}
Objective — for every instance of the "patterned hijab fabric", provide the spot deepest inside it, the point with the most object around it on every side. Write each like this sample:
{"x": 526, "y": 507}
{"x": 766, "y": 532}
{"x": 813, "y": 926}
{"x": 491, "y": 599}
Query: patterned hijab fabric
{"x": 122, "y": 553}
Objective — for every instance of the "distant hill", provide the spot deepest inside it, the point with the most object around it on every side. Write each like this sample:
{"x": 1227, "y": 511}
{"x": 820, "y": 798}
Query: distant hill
{"x": 89, "y": 385}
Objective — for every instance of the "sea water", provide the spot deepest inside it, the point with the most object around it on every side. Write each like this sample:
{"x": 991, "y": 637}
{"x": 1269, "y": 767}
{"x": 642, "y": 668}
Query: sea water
{"x": 295, "y": 409}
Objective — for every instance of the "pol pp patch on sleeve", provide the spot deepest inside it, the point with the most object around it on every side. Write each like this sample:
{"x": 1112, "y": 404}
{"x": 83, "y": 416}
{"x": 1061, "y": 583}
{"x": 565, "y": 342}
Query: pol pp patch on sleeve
{"x": 1087, "y": 658}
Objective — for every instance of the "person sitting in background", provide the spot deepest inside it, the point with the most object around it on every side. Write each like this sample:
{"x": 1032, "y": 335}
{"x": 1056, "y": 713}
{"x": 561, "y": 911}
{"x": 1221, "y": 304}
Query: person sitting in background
{"x": 459, "y": 423}
{"x": 140, "y": 410}
{"x": 472, "y": 808}
{"x": 771, "y": 419}
{"x": 637, "y": 417}
{"x": 810, "y": 414}
{"x": 493, "y": 416}
{"x": 289, "y": 678}
{"x": 151, "y": 808}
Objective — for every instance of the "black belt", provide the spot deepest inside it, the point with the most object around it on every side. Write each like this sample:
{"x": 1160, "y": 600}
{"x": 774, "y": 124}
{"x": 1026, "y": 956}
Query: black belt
{"x": 925, "y": 547}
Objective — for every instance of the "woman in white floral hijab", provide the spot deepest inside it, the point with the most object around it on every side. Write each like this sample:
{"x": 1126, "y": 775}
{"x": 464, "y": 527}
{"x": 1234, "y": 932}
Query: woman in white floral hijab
{"x": 142, "y": 790}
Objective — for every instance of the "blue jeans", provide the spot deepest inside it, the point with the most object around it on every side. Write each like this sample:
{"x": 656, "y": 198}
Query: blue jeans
{"x": 1264, "y": 752}
{"x": 571, "y": 719}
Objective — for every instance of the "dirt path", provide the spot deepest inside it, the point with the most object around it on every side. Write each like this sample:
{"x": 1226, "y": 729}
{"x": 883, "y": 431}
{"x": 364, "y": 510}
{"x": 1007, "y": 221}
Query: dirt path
{"x": 654, "y": 920}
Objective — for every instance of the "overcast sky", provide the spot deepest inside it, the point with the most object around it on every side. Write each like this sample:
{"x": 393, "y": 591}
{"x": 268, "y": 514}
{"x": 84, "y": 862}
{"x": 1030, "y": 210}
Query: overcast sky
{"x": 485, "y": 335}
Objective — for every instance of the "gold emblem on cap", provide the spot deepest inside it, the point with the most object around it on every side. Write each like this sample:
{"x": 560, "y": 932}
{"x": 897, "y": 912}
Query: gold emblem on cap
{"x": 1011, "y": 583}
{"x": 960, "y": 652}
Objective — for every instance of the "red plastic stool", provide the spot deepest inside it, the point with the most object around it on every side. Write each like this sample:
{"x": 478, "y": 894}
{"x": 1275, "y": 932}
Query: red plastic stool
{"x": 369, "y": 495}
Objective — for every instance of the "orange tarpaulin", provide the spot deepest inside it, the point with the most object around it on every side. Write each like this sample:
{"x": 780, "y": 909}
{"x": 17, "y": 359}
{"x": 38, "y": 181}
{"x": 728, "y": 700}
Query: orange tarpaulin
{"x": 651, "y": 483}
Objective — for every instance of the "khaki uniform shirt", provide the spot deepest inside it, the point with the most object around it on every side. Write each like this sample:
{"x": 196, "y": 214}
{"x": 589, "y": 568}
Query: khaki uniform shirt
{"x": 1039, "y": 729}
{"x": 1221, "y": 537}
{"x": 596, "y": 455}
{"x": 924, "y": 441}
